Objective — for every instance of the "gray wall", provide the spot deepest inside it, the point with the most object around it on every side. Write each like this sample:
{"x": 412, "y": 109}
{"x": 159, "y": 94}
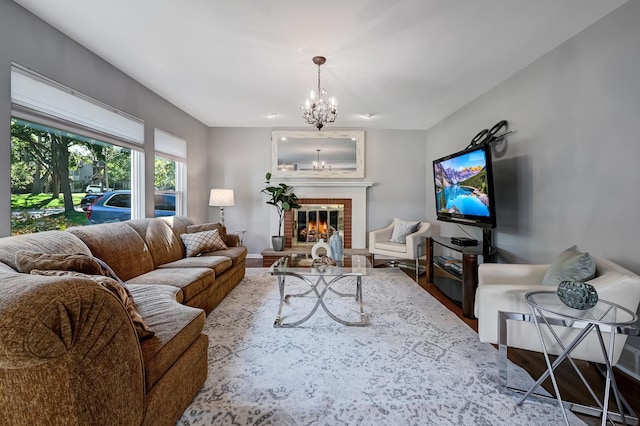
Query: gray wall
{"x": 240, "y": 157}
{"x": 34, "y": 44}
{"x": 569, "y": 174}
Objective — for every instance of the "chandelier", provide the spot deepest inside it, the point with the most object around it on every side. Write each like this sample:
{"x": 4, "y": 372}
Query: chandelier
{"x": 316, "y": 110}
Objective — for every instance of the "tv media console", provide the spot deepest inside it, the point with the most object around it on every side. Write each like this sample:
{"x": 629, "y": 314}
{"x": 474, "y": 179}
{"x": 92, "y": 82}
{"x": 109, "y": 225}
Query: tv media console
{"x": 456, "y": 278}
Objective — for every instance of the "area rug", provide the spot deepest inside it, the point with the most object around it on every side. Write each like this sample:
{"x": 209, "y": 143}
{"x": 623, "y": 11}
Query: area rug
{"x": 416, "y": 363}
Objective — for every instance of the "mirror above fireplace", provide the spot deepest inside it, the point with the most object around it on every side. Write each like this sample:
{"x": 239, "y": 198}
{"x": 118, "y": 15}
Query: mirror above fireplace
{"x": 310, "y": 154}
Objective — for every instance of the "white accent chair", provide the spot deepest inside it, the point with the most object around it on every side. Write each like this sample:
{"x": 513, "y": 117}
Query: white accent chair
{"x": 414, "y": 247}
{"x": 501, "y": 287}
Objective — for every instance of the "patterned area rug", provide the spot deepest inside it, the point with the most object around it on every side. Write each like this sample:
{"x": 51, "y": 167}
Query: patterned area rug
{"x": 416, "y": 363}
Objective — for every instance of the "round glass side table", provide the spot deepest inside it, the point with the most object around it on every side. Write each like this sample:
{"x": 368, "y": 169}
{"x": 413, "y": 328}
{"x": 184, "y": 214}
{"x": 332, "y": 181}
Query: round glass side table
{"x": 547, "y": 308}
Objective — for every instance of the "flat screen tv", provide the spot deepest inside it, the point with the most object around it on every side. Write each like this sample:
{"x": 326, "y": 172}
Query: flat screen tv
{"x": 464, "y": 188}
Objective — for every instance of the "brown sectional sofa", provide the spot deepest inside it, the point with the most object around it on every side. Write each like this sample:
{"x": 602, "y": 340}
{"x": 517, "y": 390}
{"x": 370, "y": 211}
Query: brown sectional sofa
{"x": 69, "y": 353}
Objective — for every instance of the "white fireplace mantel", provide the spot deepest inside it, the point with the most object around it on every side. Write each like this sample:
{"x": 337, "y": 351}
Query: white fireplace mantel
{"x": 354, "y": 190}
{"x": 315, "y": 183}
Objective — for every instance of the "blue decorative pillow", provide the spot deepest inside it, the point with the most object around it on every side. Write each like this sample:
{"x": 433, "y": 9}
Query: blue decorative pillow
{"x": 570, "y": 265}
{"x": 402, "y": 228}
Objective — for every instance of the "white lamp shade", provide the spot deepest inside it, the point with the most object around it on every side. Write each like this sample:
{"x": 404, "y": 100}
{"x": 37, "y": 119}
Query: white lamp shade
{"x": 221, "y": 197}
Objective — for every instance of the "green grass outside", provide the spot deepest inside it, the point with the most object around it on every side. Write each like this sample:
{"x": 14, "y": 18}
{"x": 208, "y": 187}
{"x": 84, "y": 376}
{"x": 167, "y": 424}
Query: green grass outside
{"x": 26, "y": 224}
{"x": 41, "y": 201}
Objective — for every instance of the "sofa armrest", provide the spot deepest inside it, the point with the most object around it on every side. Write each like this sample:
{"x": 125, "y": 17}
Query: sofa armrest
{"x": 69, "y": 339}
{"x": 491, "y": 298}
{"x": 232, "y": 240}
{"x": 503, "y": 273}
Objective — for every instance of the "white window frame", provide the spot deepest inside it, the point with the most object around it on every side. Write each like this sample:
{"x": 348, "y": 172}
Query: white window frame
{"x": 39, "y": 99}
{"x": 173, "y": 148}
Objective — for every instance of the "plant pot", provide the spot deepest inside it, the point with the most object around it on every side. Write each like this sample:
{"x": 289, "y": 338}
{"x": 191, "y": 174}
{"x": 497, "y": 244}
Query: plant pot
{"x": 277, "y": 242}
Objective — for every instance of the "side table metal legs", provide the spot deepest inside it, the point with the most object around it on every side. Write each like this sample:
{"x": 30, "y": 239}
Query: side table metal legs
{"x": 625, "y": 414}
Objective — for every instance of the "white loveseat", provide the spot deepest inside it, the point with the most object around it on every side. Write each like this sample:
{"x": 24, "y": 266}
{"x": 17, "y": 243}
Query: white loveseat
{"x": 501, "y": 287}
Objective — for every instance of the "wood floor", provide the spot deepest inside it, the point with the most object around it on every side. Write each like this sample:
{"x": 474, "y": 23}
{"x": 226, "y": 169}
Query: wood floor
{"x": 571, "y": 388}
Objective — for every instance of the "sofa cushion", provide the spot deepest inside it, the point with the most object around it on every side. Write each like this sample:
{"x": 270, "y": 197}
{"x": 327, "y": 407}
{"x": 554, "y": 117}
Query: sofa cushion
{"x": 202, "y": 242}
{"x": 120, "y": 291}
{"x": 389, "y": 246}
{"x": 163, "y": 244}
{"x": 570, "y": 265}
{"x": 402, "y": 228}
{"x": 43, "y": 242}
{"x": 236, "y": 254}
{"x": 119, "y": 245}
{"x": 6, "y": 268}
{"x": 176, "y": 326}
{"x": 177, "y": 223}
{"x": 26, "y": 261}
{"x": 218, "y": 263}
{"x": 192, "y": 229}
{"x": 191, "y": 280}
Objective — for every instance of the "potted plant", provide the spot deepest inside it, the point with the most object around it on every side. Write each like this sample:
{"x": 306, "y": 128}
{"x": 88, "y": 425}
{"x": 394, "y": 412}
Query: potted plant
{"x": 283, "y": 198}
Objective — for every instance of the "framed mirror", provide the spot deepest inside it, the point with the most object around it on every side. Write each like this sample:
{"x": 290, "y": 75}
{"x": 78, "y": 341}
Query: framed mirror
{"x": 309, "y": 154}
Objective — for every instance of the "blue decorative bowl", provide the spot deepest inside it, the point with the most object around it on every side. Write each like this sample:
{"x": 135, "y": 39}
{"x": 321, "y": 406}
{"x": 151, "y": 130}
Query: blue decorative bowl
{"x": 578, "y": 295}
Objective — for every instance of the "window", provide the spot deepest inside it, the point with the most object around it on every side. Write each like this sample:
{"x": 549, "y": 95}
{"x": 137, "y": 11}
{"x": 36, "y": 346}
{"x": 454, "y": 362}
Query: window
{"x": 62, "y": 143}
{"x": 47, "y": 184}
{"x": 170, "y": 174}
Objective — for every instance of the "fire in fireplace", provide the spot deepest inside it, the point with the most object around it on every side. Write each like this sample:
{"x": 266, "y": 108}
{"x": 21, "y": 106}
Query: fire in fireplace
{"x": 313, "y": 222}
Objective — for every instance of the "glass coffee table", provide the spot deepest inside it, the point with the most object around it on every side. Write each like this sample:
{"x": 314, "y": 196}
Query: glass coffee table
{"x": 320, "y": 280}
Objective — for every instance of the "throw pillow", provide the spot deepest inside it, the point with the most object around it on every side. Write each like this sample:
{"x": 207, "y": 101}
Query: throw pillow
{"x": 120, "y": 291}
{"x": 29, "y": 260}
{"x": 192, "y": 229}
{"x": 570, "y": 265}
{"x": 402, "y": 228}
{"x": 202, "y": 242}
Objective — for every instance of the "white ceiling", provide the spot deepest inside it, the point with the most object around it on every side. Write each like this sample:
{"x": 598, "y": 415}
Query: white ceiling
{"x": 411, "y": 63}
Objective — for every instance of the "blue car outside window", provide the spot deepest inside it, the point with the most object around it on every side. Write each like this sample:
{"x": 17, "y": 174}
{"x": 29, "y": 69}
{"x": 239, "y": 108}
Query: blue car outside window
{"x": 116, "y": 206}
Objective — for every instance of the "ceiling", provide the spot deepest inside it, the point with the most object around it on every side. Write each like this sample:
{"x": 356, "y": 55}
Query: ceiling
{"x": 410, "y": 63}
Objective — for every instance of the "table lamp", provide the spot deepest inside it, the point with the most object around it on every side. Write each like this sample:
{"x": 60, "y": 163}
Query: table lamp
{"x": 221, "y": 198}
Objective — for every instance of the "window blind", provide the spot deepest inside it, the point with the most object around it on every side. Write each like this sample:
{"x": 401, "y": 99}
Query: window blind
{"x": 167, "y": 145}
{"x": 33, "y": 92}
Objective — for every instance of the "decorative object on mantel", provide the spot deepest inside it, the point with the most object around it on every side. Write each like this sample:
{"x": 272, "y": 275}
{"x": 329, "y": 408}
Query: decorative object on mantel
{"x": 320, "y": 245}
{"x": 221, "y": 198}
{"x": 577, "y": 294}
{"x": 316, "y": 110}
{"x": 283, "y": 199}
{"x": 335, "y": 242}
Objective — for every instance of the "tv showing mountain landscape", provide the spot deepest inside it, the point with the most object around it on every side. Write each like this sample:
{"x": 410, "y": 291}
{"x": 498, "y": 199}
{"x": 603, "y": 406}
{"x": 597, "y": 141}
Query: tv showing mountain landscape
{"x": 464, "y": 188}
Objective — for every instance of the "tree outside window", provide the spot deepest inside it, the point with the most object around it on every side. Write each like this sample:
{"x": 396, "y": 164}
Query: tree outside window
{"x": 50, "y": 169}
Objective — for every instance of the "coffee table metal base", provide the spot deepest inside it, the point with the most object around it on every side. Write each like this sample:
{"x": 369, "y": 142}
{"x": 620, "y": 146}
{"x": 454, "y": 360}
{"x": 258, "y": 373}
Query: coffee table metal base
{"x": 319, "y": 291}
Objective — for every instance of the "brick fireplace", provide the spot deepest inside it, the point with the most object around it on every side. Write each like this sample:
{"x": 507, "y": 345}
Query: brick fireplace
{"x": 351, "y": 193}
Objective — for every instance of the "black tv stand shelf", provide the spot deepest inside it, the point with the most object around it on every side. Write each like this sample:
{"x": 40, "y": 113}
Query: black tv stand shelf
{"x": 458, "y": 285}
